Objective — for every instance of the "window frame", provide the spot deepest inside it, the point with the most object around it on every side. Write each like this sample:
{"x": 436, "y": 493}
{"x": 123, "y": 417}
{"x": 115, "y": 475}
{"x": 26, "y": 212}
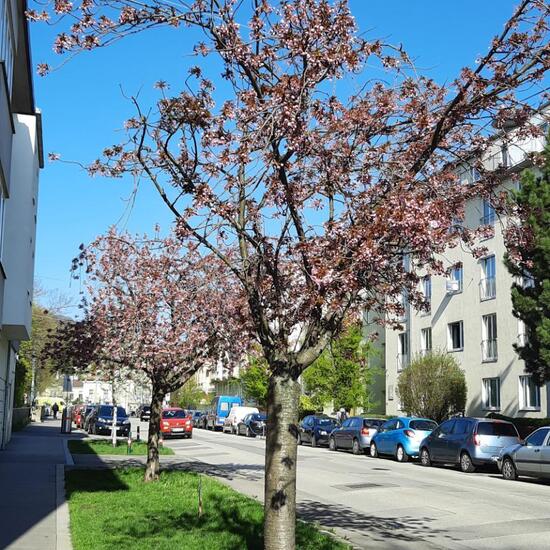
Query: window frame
{"x": 487, "y": 393}
{"x": 524, "y": 391}
{"x": 450, "y": 343}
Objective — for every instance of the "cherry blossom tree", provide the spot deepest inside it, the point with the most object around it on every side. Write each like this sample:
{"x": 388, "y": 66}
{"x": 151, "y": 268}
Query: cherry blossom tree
{"x": 332, "y": 165}
{"x": 157, "y": 309}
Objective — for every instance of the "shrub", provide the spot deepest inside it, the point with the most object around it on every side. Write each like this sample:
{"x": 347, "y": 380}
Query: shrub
{"x": 433, "y": 386}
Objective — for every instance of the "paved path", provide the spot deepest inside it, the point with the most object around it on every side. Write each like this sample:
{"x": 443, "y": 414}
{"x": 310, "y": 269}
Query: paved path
{"x": 30, "y": 514}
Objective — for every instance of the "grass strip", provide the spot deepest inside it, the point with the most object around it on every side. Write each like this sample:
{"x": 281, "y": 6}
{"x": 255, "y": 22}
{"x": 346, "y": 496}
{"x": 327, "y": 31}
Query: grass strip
{"x": 105, "y": 447}
{"x": 116, "y": 509}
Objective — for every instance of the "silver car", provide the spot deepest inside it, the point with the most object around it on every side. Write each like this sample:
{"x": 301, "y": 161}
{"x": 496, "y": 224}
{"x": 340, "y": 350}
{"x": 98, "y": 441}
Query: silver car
{"x": 530, "y": 458}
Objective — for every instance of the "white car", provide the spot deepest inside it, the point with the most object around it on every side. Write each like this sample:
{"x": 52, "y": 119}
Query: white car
{"x": 236, "y": 415}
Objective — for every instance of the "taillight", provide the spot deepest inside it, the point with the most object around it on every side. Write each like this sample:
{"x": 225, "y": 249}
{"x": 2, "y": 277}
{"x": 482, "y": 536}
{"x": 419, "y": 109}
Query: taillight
{"x": 409, "y": 433}
{"x": 477, "y": 441}
{"x": 365, "y": 431}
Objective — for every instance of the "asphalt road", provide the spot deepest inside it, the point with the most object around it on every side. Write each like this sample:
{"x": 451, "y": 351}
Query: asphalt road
{"x": 379, "y": 503}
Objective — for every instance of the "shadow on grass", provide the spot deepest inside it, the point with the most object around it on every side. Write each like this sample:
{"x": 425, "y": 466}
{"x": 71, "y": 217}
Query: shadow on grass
{"x": 91, "y": 481}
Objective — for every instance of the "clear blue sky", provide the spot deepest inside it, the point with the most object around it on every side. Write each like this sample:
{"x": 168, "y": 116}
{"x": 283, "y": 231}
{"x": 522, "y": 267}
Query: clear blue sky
{"x": 83, "y": 110}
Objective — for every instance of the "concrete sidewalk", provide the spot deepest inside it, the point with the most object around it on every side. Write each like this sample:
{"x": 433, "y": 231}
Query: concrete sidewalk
{"x": 33, "y": 512}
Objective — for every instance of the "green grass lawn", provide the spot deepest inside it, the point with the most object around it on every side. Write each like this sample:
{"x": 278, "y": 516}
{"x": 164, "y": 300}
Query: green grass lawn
{"x": 105, "y": 447}
{"x": 116, "y": 509}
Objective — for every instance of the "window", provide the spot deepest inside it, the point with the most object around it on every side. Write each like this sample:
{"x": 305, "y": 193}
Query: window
{"x": 455, "y": 278}
{"x": 491, "y": 393}
{"x": 523, "y": 338}
{"x": 427, "y": 290}
{"x": 446, "y": 427}
{"x": 502, "y": 429}
{"x": 461, "y": 427}
{"x": 537, "y": 438}
{"x": 7, "y": 43}
{"x": 529, "y": 393}
{"x": 455, "y": 336}
{"x": 422, "y": 425}
{"x": 426, "y": 340}
{"x": 505, "y": 156}
{"x": 488, "y": 217}
{"x": 402, "y": 351}
{"x": 475, "y": 175}
{"x": 346, "y": 423}
{"x": 487, "y": 284}
{"x": 489, "y": 337}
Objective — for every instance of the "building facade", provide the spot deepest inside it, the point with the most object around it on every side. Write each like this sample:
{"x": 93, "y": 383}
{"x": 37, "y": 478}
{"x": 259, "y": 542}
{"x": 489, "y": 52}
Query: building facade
{"x": 471, "y": 314}
{"x": 21, "y": 158}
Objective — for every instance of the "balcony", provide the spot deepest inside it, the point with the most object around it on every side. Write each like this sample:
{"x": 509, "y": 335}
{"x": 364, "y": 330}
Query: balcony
{"x": 487, "y": 289}
{"x": 402, "y": 361}
{"x": 489, "y": 350}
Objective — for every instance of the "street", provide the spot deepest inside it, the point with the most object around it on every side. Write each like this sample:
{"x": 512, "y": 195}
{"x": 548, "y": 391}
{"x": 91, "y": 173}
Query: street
{"x": 379, "y": 503}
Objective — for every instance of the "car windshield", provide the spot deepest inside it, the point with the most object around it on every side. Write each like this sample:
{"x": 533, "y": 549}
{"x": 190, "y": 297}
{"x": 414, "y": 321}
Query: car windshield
{"x": 497, "y": 428}
{"x": 107, "y": 410}
{"x": 258, "y": 417}
{"x": 324, "y": 421}
{"x": 174, "y": 414}
{"x": 422, "y": 425}
{"x": 197, "y": 413}
{"x": 146, "y": 409}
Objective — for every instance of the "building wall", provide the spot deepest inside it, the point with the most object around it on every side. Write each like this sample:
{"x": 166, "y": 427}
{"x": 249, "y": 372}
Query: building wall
{"x": 468, "y": 307}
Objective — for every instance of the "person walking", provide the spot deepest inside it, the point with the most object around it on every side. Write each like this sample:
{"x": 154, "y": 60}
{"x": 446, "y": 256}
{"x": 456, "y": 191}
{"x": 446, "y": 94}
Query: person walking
{"x": 55, "y": 410}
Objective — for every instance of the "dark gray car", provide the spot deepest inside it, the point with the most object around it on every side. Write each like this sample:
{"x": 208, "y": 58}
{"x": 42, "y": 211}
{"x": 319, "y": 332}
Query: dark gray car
{"x": 355, "y": 433}
{"x": 531, "y": 458}
{"x": 468, "y": 442}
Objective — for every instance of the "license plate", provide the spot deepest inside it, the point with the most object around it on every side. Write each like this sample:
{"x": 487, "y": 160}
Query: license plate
{"x": 177, "y": 429}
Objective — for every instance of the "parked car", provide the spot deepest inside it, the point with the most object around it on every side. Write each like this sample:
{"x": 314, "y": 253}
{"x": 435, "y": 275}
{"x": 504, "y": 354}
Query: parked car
{"x": 236, "y": 414}
{"x": 80, "y": 412}
{"x": 468, "y": 442}
{"x": 401, "y": 437}
{"x": 87, "y": 415}
{"x": 221, "y": 405}
{"x": 100, "y": 420}
{"x": 355, "y": 433}
{"x": 252, "y": 425}
{"x": 529, "y": 458}
{"x": 176, "y": 421}
{"x": 144, "y": 413}
{"x": 201, "y": 421}
{"x": 315, "y": 429}
{"x": 195, "y": 418}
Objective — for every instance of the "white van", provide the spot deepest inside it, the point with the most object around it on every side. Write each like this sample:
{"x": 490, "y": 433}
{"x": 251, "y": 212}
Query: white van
{"x": 236, "y": 414}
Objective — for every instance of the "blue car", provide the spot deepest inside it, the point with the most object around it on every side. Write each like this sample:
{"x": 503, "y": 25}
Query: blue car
{"x": 401, "y": 437}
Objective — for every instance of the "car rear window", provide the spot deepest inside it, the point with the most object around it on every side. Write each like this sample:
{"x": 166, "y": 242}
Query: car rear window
{"x": 368, "y": 423}
{"x": 174, "y": 414}
{"x": 107, "y": 410}
{"x": 325, "y": 421}
{"x": 422, "y": 425}
{"x": 497, "y": 428}
{"x": 258, "y": 417}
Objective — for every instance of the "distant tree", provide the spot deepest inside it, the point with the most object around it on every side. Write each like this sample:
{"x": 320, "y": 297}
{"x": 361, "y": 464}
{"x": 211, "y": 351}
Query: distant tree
{"x": 22, "y": 382}
{"x": 529, "y": 261}
{"x": 255, "y": 381}
{"x": 189, "y": 396}
{"x": 340, "y": 374}
{"x": 433, "y": 386}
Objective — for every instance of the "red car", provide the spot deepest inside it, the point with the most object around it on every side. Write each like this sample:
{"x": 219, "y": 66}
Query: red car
{"x": 78, "y": 415}
{"x": 175, "y": 421}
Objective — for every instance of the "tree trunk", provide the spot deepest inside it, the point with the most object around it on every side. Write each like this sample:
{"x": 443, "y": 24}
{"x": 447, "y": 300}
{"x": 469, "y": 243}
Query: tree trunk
{"x": 153, "y": 466}
{"x": 280, "y": 463}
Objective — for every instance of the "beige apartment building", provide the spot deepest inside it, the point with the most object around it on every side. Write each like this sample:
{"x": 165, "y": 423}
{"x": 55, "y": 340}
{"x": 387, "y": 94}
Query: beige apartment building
{"x": 471, "y": 315}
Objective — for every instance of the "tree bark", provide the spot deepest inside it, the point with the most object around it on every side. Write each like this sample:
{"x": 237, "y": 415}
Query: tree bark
{"x": 280, "y": 463}
{"x": 152, "y": 467}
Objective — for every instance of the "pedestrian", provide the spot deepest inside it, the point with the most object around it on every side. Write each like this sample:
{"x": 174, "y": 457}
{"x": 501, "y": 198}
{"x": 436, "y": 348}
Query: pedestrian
{"x": 55, "y": 409}
{"x": 342, "y": 415}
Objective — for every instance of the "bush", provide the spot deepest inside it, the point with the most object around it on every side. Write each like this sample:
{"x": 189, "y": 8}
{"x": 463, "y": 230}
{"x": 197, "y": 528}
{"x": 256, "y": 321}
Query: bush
{"x": 525, "y": 426}
{"x": 433, "y": 386}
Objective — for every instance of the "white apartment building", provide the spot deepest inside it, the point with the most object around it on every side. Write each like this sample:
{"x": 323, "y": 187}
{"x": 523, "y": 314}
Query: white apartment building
{"x": 471, "y": 316}
{"x": 21, "y": 158}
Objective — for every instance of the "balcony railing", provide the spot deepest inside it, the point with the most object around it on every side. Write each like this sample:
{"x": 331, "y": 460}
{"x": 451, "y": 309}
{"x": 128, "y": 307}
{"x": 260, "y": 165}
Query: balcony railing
{"x": 489, "y": 350}
{"x": 402, "y": 361}
{"x": 487, "y": 288}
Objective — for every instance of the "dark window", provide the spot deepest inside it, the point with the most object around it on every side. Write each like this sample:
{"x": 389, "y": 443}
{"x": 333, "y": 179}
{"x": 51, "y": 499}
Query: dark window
{"x": 390, "y": 425}
{"x": 537, "y": 439}
{"x": 325, "y": 421}
{"x": 447, "y": 427}
{"x": 258, "y": 417}
{"x": 346, "y": 423}
{"x": 368, "y": 423}
{"x": 497, "y": 428}
{"x": 461, "y": 427}
{"x": 400, "y": 425}
{"x": 356, "y": 423}
{"x": 174, "y": 414}
{"x": 422, "y": 425}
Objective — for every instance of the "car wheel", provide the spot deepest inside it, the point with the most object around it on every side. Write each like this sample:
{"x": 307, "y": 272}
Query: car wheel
{"x": 190, "y": 436}
{"x": 299, "y": 439}
{"x": 355, "y": 448}
{"x": 313, "y": 441}
{"x": 425, "y": 459}
{"x": 332, "y": 444}
{"x": 373, "y": 450}
{"x": 509, "y": 471}
{"x": 466, "y": 464}
{"x": 400, "y": 454}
